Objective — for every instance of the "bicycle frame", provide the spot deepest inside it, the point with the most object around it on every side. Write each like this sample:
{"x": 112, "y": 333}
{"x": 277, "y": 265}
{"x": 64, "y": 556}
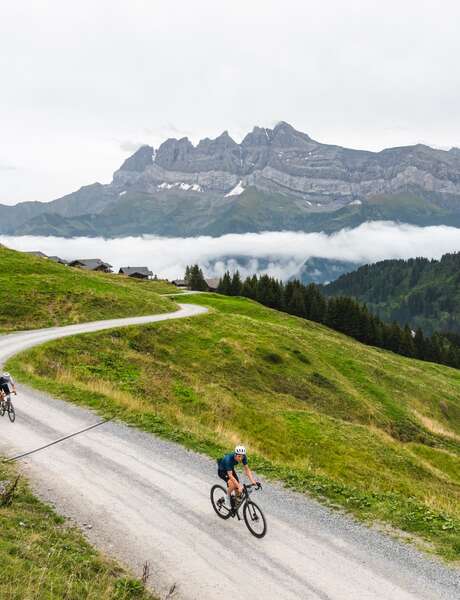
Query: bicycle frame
{"x": 6, "y": 406}
{"x": 252, "y": 513}
{"x": 247, "y": 491}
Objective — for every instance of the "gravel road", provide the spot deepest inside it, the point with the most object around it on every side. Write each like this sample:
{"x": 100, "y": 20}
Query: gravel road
{"x": 140, "y": 499}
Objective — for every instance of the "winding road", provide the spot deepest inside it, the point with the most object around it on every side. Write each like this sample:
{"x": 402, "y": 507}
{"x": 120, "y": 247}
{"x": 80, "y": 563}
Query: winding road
{"x": 140, "y": 499}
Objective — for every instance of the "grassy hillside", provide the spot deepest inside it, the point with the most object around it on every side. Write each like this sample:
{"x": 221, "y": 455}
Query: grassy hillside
{"x": 368, "y": 430}
{"x": 35, "y": 292}
{"x": 42, "y": 558}
{"x": 422, "y": 292}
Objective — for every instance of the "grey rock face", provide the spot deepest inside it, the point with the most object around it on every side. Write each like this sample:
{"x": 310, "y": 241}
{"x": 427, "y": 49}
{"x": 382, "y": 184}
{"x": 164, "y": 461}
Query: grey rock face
{"x": 274, "y": 179}
{"x": 139, "y": 161}
{"x": 221, "y": 154}
{"x": 284, "y": 160}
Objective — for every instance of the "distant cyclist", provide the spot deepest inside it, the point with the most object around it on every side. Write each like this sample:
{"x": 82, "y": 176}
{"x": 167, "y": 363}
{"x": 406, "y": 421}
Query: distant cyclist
{"x": 226, "y": 471}
{"x": 7, "y": 385}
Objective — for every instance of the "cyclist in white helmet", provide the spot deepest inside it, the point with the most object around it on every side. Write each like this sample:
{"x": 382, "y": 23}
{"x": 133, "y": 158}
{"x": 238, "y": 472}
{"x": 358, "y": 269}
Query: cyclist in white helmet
{"x": 7, "y": 385}
{"x": 226, "y": 471}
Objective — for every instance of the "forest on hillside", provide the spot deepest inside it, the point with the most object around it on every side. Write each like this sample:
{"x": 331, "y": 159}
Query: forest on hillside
{"x": 421, "y": 292}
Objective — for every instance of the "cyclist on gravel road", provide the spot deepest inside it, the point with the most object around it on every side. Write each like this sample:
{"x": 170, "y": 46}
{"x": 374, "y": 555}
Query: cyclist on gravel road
{"x": 7, "y": 385}
{"x": 226, "y": 471}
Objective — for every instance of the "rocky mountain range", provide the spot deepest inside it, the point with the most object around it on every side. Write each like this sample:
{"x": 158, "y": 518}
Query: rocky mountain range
{"x": 274, "y": 179}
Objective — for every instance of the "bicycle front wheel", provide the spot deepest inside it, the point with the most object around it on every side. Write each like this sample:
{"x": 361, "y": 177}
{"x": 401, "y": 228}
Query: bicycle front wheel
{"x": 11, "y": 412}
{"x": 2, "y": 409}
{"x": 218, "y": 501}
{"x": 254, "y": 519}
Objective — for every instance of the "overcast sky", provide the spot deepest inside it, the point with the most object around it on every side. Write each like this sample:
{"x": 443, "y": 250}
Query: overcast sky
{"x": 82, "y": 84}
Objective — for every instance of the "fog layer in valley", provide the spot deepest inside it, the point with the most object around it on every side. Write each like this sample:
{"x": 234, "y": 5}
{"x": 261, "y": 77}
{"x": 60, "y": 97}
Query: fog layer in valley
{"x": 280, "y": 254}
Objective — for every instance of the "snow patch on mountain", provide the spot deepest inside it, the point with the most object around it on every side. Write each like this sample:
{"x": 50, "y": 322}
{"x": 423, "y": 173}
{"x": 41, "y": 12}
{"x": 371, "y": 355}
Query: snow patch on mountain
{"x": 180, "y": 185}
{"x": 237, "y": 190}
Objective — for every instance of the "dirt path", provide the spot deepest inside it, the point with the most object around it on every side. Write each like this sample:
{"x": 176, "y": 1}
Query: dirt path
{"x": 144, "y": 499}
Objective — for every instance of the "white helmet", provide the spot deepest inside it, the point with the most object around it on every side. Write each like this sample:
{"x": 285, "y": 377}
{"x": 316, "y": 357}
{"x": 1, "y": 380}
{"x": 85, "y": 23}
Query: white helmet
{"x": 240, "y": 450}
{"x": 6, "y": 375}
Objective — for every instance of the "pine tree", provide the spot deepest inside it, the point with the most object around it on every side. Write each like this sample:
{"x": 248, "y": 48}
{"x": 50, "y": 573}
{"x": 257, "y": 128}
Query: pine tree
{"x": 197, "y": 281}
{"x": 236, "y": 287}
{"x": 395, "y": 336}
{"x": 407, "y": 346}
{"x": 296, "y": 304}
{"x": 249, "y": 289}
{"x": 420, "y": 345}
{"x": 187, "y": 275}
{"x": 225, "y": 284}
{"x": 288, "y": 290}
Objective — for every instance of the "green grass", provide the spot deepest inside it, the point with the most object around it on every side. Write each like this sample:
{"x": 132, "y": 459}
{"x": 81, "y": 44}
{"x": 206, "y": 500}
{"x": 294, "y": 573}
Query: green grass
{"x": 42, "y": 558}
{"x": 35, "y": 293}
{"x": 358, "y": 427}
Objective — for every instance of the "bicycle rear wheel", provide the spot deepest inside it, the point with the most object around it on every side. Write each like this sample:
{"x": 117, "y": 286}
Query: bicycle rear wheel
{"x": 2, "y": 409}
{"x": 254, "y": 519}
{"x": 11, "y": 412}
{"x": 218, "y": 501}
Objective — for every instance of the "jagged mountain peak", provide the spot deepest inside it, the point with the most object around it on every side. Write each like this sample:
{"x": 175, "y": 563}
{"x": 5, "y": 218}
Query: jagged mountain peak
{"x": 174, "y": 152}
{"x": 142, "y": 158}
{"x": 287, "y": 161}
{"x": 285, "y": 135}
{"x": 284, "y": 127}
{"x": 259, "y": 136}
{"x": 223, "y": 141}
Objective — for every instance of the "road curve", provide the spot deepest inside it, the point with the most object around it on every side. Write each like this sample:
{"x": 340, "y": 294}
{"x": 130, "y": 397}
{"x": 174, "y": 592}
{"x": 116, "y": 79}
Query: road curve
{"x": 142, "y": 499}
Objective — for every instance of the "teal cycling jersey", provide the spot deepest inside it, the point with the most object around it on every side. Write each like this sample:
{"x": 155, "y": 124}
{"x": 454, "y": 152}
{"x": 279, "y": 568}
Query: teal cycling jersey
{"x": 229, "y": 462}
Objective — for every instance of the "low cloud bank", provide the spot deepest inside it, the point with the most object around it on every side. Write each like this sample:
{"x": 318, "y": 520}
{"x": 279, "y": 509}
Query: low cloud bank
{"x": 280, "y": 254}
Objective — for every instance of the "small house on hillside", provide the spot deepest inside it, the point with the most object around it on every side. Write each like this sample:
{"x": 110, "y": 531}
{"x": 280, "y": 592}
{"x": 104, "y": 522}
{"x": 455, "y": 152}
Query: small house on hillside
{"x": 212, "y": 283}
{"x": 137, "y": 272}
{"x": 91, "y": 264}
{"x": 57, "y": 259}
{"x": 180, "y": 283}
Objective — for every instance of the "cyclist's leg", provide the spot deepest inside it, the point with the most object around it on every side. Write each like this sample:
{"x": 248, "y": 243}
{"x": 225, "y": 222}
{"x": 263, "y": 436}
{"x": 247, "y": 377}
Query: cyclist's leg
{"x": 5, "y": 393}
{"x": 224, "y": 475}
{"x": 232, "y": 487}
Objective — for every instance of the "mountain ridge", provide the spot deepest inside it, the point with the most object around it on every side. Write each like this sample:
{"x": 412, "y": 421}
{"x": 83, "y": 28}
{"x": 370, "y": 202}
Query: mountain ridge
{"x": 312, "y": 183}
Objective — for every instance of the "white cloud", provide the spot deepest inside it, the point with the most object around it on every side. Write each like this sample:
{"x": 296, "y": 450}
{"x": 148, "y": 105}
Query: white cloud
{"x": 130, "y": 146}
{"x": 280, "y": 254}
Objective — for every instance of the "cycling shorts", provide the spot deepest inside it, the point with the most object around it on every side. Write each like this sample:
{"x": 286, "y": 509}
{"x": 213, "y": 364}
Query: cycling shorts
{"x": 224, "y": 475}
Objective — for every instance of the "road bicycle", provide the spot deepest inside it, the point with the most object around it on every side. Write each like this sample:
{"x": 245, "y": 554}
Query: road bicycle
{"x": 6, "y": 406}
{"x": 252, "y": 514}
